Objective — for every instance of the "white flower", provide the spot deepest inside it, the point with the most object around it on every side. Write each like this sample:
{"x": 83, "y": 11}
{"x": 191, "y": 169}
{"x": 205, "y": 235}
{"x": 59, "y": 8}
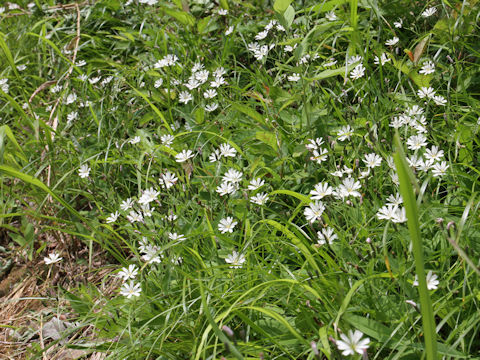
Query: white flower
{"x": 52, "y": 258}
{"x": 147, "y": 211}
{"x": 392, "y": 41}
{"x": 330, "y": 62}
{"x": 229, "y": 30}
{"x": 398, "y": 24}
{"x": 314, "y": 211}
{"x": 113, "y": 217}
{"x": 150, "y": 254}
{"x": 382, "y": 60}
{"x": 130, "y": 289}
{"x": 167, "y": 139}
{"x": 395, "y": 199}
{"x": 211, "y": 107}
{"x": 128, "y": 273}
{"x": 255, "y": 184}
{"x": 94, "y": 80}
{"x": 222, "y": 12}
{"x": 261, "y": 52}
{"x": 158, "y": 83}
{"x": 71, "y": 98}
{"x": 357, "y": 72}
{"x": 217, "y": 82}
{"x": 210, "y": 94}
{"x": 354, "y": 59}
{"x": 372, "y": 160}
{"x": 319, "y": 156}
{"x": 353, "y": 343}
{"x": 434, "y": 153}
{"x": 168, "y": 180}
{"x": 314, "y": 144}
{"x": 429, "y": 12}
{"x": 183, "y": 156}
{"x": 416, "y": 142}
{"x": 253, "y": 47}
{"x": 432, "y": 282}
{"x": 387, "y": 212}
{"x": 214, "y": 156}
{"x": 227, "y": 225}
{"x": 21, "y": 67}
{"x": 426, "y": 92}
{"x": 168, "y": 60}
{"x": 294, "y": 77}
{"x": 259, "y": 199}
{"x": 400, "y": 216}
{"x": 227, "y": 150}
{"x": 126, "y": 204}
{"x": 184, "y": 97}
{"x": 344, "y": 133}
{"x": 330, "y": 16}
{"x": 72, "y": 116}
{"x": 439, "y": 100}
{"x": 440, "y": 169}
{"x": 202, "y": 76}
{"x": 176, "y": 237}
{"x": 148, "y": 196}
{"x": 133, "y": 216}
{"x": 197, "y": 66}
{"x": 424, "y": 165}
{"x": 233, "y": 176}
{"x": 261, "y": 35}
{"x": 191, "y": 84}
{"x": 84, "y": 171}
{"x": 134, "y": 140}
{"x": 219, "y": 72}
{"x": 327, "y": 235}
{"x": 235, "y": 259}
{"x": 270, "y": 25}
{"x": 321, "y": 190}
{"x": 226, "y": 188}
{"x": 349, "y": 187}
{"x": 427, "y": 68}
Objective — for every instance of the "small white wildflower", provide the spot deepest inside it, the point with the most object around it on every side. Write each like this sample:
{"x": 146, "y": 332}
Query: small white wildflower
{"x": 392, "y": 41}
{"x": 432, "y": 282}
{"x": 227, "y": 225}
{"x": 84, "y": 171}
{"x": 52, "y": 258}
{"x": 130, "y": 289}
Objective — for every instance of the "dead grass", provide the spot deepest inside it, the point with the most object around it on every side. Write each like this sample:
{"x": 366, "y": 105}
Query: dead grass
{"x": 29, "y": 299}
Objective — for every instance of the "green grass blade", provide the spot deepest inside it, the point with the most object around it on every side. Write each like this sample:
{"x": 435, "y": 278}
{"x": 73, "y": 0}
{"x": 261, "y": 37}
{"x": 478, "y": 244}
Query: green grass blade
{"x": 406, "y": 190}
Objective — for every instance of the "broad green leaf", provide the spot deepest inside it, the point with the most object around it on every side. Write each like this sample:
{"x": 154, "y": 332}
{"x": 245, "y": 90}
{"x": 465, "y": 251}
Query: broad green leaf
{"x": 182, "y": 16}
{"x": 268, "y": 138}
{"x": 280, "y": 6}
{"x": 249, "y": 112}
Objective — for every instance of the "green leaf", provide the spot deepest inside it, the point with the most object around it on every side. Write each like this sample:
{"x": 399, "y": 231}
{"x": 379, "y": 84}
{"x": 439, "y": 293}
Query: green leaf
{"x": 154, "y": 108}
{"x": 328, "y": 74}
{"x": 303, "y": 198}
{"x": 268, "y": 138}
{"x": 181, "y": 16}
{"x": 406, "y": 190}
{"x": 224, "y": 4}
{"x": 249, "y": 112}
{"x": 280, "y": 6}
{"x": 288, "y": 16}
